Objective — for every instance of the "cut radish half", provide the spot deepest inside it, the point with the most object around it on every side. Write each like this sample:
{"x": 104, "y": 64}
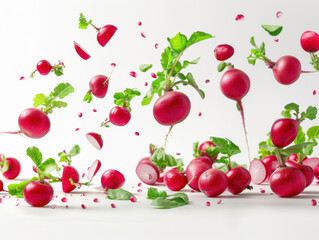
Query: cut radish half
{"x": 257, "y": 171}
{"x": 95, "y": 167}
{"x": 148, "y": 173}
{"x": 95, "y": 139}
{"x": 312, "y": 162}
{"x": 82, "y": 53}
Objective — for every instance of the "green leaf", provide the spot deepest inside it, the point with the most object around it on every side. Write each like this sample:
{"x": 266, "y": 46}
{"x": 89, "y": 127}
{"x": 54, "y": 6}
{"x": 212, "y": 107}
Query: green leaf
{"x": 221, "y": 66}
{"x": 75, "y": 150}
{"x": 38, "y": 99}
{"x": 311, "y": 113}
{"x": 224, "y": 168}
{"x": 118, "y": 194}
{"x": 186, "y": 63}
{"x": 145, "y": 67}
{"x": 225, "y": 146}
{"x": 178, "y": 43}
{"x": 196, "y": 151}
{"x": 48, "y": 166}
{"x": 35, "y": 154}
{"x": 123, "y": 99}
{"x": 4, "y": 165}
{"x": 62, "y": 90}
{"x": 153, "y": 193}
{"x": 313, "y": 133}
{"x": 16, "y": 189}
{"x": 197, "y": 37}
{"x": 267, "y": 147}
{"x": 212, "y": 152}
{"x": 290, "y": 107}
{"x": 295, "y": 148}
{"x": 178, "y": 200}
{"x": 191, "y": 81}
{"x": 88, "y": 97}
{"x": 301, "y": 136}
{"x": 252, "y": 41}
{"x": 273, "y": 30}
{"x": 181, "y": 76}
{"x": 83, "y": 23}
{"x": 182, "y": 196}
{"x": 168, "y": 58}
{"x": 58, "y": 71}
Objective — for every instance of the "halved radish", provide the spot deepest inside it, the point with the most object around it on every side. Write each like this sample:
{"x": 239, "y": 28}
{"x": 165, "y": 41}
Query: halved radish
{"x": 257, "y": 171}
{"x": 312, "y": 162}
{"x": 95, "y": 139}
{"x": 148, "y": 173}
{"x": 95, "y": 167}
{"x": 82, "y": 53}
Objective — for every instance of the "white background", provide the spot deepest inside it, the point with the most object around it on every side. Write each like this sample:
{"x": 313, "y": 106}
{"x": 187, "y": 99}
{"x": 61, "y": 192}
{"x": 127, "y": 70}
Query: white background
{"x": 35, "y": 30}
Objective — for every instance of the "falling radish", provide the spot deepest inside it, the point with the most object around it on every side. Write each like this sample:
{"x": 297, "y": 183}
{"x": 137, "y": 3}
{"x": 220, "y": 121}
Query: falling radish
{"x": 104, "y": 34}
{"x": 44, "y": 68}
{"x": 80, "y": 51}
{"x": 95, "y": 167}
{"x": 10, "y": 167}
{"x": 95, "y": 139}
{"x": 112, "y": 179}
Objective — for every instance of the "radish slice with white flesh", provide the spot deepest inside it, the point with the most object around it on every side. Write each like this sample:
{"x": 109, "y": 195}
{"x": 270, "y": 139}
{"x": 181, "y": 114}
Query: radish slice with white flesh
{"x": 95, "y": 139}
{"x": 82, "y": 53}
{"x": 148, "y": 173}
{"x": 257, "y": 171}
{"x": 95, "y": 167}
{"x": 312, "y": 162}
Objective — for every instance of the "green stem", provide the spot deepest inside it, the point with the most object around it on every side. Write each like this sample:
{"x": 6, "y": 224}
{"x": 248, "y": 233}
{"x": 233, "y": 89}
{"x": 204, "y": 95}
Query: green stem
{"x": 281, "y": 162}
{"x": 96, "y": 28}
{"x": 48, "y": 106}
{"x": 166, "y": 136}
{"x": 171, "y": 72}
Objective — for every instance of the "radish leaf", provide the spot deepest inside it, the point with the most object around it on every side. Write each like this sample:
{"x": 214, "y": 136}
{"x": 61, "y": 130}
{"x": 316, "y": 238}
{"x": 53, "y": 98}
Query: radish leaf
{"x": 35, "y": 154}
{"x": 145, "y": 67}
{"x": 313, "y": 133}
{"x": 83, "y": 23}
{"x": 16, "y": 189}
{"x": 178, "y": 43}
{"x": 123, "y": 99}
{"x": 118, "y": 194}
{"x": 273, "y": 30}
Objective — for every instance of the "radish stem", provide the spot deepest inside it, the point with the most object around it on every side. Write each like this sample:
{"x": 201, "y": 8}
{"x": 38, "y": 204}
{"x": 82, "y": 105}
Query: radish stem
{"x": 166, "y": 136}
{"x": 244, "y": 126}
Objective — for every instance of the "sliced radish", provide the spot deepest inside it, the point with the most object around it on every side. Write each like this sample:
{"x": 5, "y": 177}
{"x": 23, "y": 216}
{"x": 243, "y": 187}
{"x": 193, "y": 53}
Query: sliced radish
{"x": 312, "y": 162}
{"x": 257, "y": 171}
{"x": 95, "y": 139}
{"x": 95, "y": 167}
{"x": 82, "y": 53}
{"x": 148, "y": 173}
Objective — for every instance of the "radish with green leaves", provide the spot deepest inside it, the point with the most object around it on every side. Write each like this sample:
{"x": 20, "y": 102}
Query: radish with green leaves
{"x": 112, "y": 179}
{"x": 10, "y": 167}
{"x": 104, "y": 34}
{"x": 44, "y": 68}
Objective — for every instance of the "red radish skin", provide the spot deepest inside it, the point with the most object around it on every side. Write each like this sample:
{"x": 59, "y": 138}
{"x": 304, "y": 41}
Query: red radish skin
{"x": 38, "y": 194}
{"x": 287, "y": 182}
{"x": 309, "y": 41}
{"x": 223, "y": 52}
{"x": 80, "y": 51}
{"x": 294, "y": 157}
{"x": 284, "y": 131}
{"x": 203, "y": 159}
{"x": 112, "y": 179}
{"x": 1, "y": 187}
{"x": 14, "y": 168}
{"x": 271, "y": 164}
{"x": 193, "y": 172}
{"x": 171, "y": 108}
{"x": 258, "y": 171}
{"x": 213, "y": 182}
{"x": 34, "y": 123}
{"x": 99, "y": 85}
{"x": 44, "y": 67}
{"x": 238, "y": 179}
{"x": 147, "y": 172}
{"x": 312, "y": 162}
{"x": 287, "y": 70}
{"x": 119, "y": 116}
{"x": 105, "y": 34}
{"x": 307, "y": 171}
{"x": 95, "y": 167}
{"x": 174, "y": 180}
{"x": 203, "y": 148}
{"x": 316, "y": 172}
{"x": 69, "y": 172}
{"x": 95, "y": 139}
{"x": 144, "y": 160}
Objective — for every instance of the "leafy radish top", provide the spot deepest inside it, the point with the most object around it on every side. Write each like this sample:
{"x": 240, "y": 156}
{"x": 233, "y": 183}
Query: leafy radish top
{"x": 66, "y": 157}
{"x": 123, "y": 99}
{"x": 163, "y": 160}
{"x": 172, "y": 67}
{"x": 44, "y": 68}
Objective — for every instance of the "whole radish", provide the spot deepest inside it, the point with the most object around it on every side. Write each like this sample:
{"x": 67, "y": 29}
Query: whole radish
{"x": 38, "y": 194}
{"x": 175, "y": 180}
{"x": 223, "y": 52}
{"x": 112, "y": 179}
{"x": 310, "y": 41}
{"x": 195, "y": 169}
{"x": 44, "y": 68}
{"x": 287, "y": 70}
{"x": 99, "y": 85}
{"x": 13, "y": 167}
{"x": 284, "y": 131}
{"x": 69, "y": 173}
{"x": 307, "y": 171}
{"x": 213, "y": 182}
{"x": 203, "y": 148}
{"x": 238, "y": 179}
{"x": 119, "y": 116}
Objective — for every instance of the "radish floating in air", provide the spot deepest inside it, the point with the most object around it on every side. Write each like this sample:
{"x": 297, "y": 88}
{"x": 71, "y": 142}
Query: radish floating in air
{"x": 284, "y": 131}
{"x": 112, "y": 179}
{"x": 10, "y": 167}
{"x": 95, "y": 167}
{"x": 258, "y": 171}
{"x": 95, "y": 139}
{"x": 223, "y": 52}
{"x": 44, "y": 68}
{"x": 69, "y": 174}
{"x": 309, "y": 41}
{"x": 104, "y": 34}
{"x": 80, "y": 51}
{"x": 213, "y": 182}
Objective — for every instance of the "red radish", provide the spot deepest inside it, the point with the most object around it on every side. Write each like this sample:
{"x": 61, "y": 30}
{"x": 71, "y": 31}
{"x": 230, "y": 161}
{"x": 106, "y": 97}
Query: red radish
{"x": 287, "y": 70}
{"x": 147, "y": 172}
{"x": 95, "y": 139}
{"x": 112, "y": 179}
{"x": 44, "y": 67}
{"x": 258, "y": 171}
{"x": 99, "y": 85}
{"x": 171, "y": 108}
{"x": 316, "y": 172}
{"x": 1, "y": 187}
{"x": 160, "y": 179}
{"x": 194, "y": 170}
{"x": 287, "y": 182}
{"x": 144, "y": 160}
{"x": 36, "y": 171}
{"x": 69, "y": 172}
{"x": 284, "y": 131}
{"x": 312, "y": 162}
{"x": 13, "y": 170}
{"x": 238, "y": 179}
{"x": 202, "y": 159}
{"x": 213, "y": 182}
{"x": 82, "y": 53}
{"x": 95, "y": 167}
{"x": 271, "y": 164}
{"x": 203, "y": 148}
{"x": 294, "y": 157}
{"x": 307, "y": 171}
{"x": 105, "y": 34}
{"x": 310, "y": 41}
{"x": 34, "y": 123}
{"x": 223, "y": 52}
{"x": 38, "y": 194}
{"x": 174, "y": 180}
{"x": 119, "y": 116}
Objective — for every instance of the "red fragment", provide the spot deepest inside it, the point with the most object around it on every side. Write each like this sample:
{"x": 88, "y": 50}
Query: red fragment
{"x": 178, "y": 154}
{"x": 83, "y": 175}
{"x": 17, "y": 205}
{"x": 77, "y": 129}
{"x": 207, "y": 81}
{"x": 83, "y": 206}
{"x": 139, "y": 184}
{"x": 133, "y": 198}
{"x": 207, "y": 204}
{"x": 276, "y": 40}
{"x": 66, "y": 206}
{"x": 80, "y": 115}
{"x": 137, "y": 133}
{"x": 313, "y": 202}
{"x": 139, "y": 190}
{"x": 64, "y": 199}
{"x": 113, "y": 65}
{"x": 94, "y": 110}
{"x": 240, "y": 17}
{"x": 139, "y": 23}
{"x": 314, "y": 92}
{"x": 61, "y": 63}
{"x": 199, "y": 114}
{"x": 1, "y": 200}
{"x": 133, "y": 74}
{"x": 279, "y": 14}
{"x": 22, "y": 78}
{"x": 146, "y": 83}
{"x": 96, "y": 200}
{"x": 262, "y": 190}
{"x": 156, "y": 45}
{"x": 153, "y": 75}
{"x": 113, "y": 205}
{"x": 143, "y": 35}
{"x": 192, "y": 191}
{"x": 219, "y": 201}
{"x": 53, "y": 206}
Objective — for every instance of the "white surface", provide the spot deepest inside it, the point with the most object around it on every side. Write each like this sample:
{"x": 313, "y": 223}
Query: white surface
{"x": 34, "y": 30}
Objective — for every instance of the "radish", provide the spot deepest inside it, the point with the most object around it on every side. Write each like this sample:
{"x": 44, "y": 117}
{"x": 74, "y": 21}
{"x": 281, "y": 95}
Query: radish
{"x": 119, "y": 116}
{"x": 223, "y": 52}
{"x": 112, "y": 179}
{"x": 195, "y": 169}
{"x": 171, "y": 108}
{"x": 203, "y": 148}
{"x": 95, "y": 167}
{"x": 312, "y": 162}
{"x": 95, "y": 139}
{"x": 258, "y": 171}
{"x": 10, "y": 167}
{"x": 147, "y": 172}
{"x": 287, "y": 70}
{"x": 316, "y": 172}
{"x": 271, "y": 164}
{"x": 1, "y": 187}
{"x": 238, "y": 179}
{"x": 287, "y": 182}
{"x": 174, "y": 180}
{"x": 144, "y": 160}
{"x": 69, "y": 173}
{"x": 310, "y": 41}
{"x": 284, "y": 131}
{"x": 203, "y": 159}
{"x": 44, "y": 68}
{"x": 104, "y": 34}
{"x": 294, "y": 157}
{"x": 213, "y": 182}
{"x": 307, "y": 171}
{"x": 38, "y": 194}
{"x": 82, "y": 53}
